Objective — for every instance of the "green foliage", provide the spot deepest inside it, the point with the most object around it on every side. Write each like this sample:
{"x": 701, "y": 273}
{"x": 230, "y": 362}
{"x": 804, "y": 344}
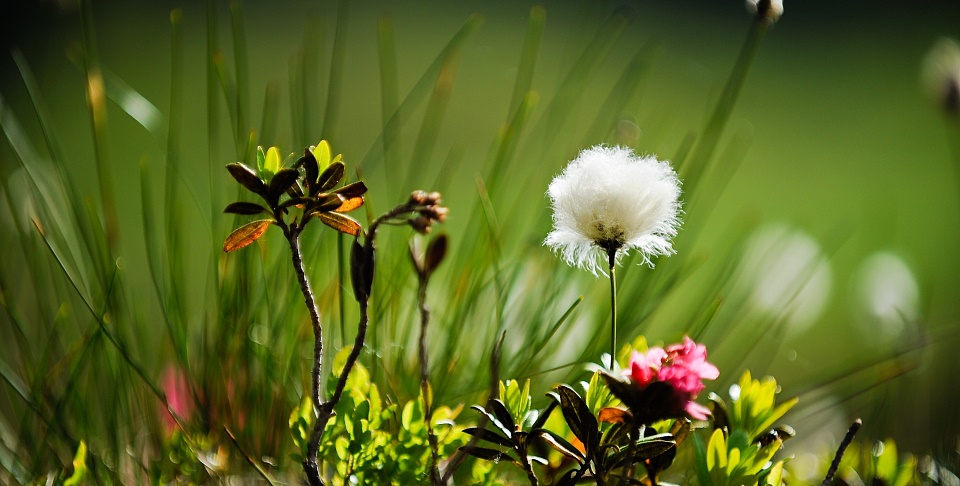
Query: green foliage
{"x": 372, "y": 442}
{"x": 79, "y": 466}
{"x": 517, "y": 401}
{"x": 755, "y": 408}
{"x": 741, "y": 449}
{"x": 95, "y": 301}
{"x": 732, "y": 461}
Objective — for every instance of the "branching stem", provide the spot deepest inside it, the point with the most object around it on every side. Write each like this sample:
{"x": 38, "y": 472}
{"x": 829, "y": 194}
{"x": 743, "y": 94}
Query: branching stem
{"x": 310, "y": 466}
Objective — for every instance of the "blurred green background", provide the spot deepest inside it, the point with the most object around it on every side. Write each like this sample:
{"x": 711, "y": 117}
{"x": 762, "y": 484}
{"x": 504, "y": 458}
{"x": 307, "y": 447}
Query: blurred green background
{"x": 833, "y": 154}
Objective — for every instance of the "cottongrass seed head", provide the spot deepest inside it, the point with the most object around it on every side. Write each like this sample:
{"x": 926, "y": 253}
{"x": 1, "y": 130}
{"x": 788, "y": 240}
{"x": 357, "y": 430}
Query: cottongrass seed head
{"x": 609, "y": 200}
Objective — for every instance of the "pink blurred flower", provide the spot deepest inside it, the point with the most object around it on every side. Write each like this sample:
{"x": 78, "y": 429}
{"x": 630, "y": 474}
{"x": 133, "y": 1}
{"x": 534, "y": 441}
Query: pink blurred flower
{"x": 683, "y": 366}
{"x": 179, "y": 396}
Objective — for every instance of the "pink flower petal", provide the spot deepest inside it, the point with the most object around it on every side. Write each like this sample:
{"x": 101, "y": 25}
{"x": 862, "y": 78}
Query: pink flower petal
{"x": 697, "y": 411}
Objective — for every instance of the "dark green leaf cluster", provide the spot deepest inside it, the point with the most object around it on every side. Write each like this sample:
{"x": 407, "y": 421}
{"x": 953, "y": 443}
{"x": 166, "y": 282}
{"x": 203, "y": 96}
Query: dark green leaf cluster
{"x": 309, "y": 186}
{"x": 603, "y": 448}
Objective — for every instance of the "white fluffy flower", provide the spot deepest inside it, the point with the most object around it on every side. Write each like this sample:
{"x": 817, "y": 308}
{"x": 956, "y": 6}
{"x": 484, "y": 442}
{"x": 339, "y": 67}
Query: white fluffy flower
{"x": 609, "y": 200}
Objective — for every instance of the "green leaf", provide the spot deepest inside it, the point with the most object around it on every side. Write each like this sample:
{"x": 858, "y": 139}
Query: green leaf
{"x": 774, "y": 476}
{"x": 246, "y": 234}
{"x": 886, "y": 460}
{"x": 281, "y": 181}
{"x": 494, "y": 420}
{"x": 560, "y": 444}
{"x": 579, "y": 417}
{"x": 271, "y": 165}
{"x": 354, "y": 189}
{"x": 79, "y": 466}
{"x": 330, "y": 177}
{"x": 778, "y": 412}
{"x": 717, "y": 451}
{"x": 322, "y": 153}
{"x": 245, "y": 208}
{"x": 646, "y": 449}
{"x": 503, "y": 415}
{"x": 484, "y": 453}
{"x": 261, "y": 159}
{"x": 247, "y": 178}
{"x": 489, "y": 436}
{"x": 311, "y": 169}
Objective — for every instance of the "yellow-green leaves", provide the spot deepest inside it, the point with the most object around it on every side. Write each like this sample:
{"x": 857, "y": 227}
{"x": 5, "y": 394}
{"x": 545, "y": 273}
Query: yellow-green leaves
{"x": 742, "y": 446}
{"x": 755, "y": 409}
{"x": 79, "y": 466}
{"x": 324, "y": 155}
{"x": 268, "y": 163}
{"x": 730, "y": 461}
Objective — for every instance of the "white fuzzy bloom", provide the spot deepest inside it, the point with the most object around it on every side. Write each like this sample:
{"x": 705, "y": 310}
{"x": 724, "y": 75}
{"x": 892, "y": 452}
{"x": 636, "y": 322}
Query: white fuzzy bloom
{"x": 770, "y": 10}
{"x": 609, "y": 199}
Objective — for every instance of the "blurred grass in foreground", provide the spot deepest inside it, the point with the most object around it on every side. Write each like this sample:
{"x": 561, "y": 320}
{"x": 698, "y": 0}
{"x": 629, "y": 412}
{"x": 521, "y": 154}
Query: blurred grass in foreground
{"x": 113, "y": 273}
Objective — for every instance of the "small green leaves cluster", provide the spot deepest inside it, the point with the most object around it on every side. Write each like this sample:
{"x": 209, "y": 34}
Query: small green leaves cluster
{"x": 179, "y": 459}
{"x": 755, "y": 410}
{"x": 741, "y": 448}
{"x": 79, "y": 466}
{"x": 609, "y": 451}
{"x": 735, "y": 461}
{"x": 597, "y": 443}
{"x": 308, "y": 187}
{"x": 369, "y": 441}
{"x": 513, "y": 428}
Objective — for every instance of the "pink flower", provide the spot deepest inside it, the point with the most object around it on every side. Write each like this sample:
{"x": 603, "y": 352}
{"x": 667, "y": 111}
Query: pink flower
{"x": 683, "y": 366}
{"x": 644, "y": 367}
{"x": 179, "y": 396}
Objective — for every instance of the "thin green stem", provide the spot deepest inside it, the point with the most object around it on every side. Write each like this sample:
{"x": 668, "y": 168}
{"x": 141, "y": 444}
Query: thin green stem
{"x": 612, "y": 255}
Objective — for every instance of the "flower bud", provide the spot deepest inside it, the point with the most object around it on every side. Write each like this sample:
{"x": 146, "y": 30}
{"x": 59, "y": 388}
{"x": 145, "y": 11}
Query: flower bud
{"x": 941, "y": 75}
{"x": 766, "y": 10}
{"x": 436, "y": 213}
{"x": 421, "y": 224}
{"x": 418, "y": 197}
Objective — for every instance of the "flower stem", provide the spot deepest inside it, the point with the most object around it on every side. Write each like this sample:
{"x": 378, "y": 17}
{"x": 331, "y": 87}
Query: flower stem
{"x": 612, "y": 254}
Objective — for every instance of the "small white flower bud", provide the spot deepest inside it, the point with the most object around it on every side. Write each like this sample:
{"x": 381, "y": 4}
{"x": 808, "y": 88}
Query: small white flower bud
{"x": 767, "y": 10}
{"x": 941, "y": 75}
